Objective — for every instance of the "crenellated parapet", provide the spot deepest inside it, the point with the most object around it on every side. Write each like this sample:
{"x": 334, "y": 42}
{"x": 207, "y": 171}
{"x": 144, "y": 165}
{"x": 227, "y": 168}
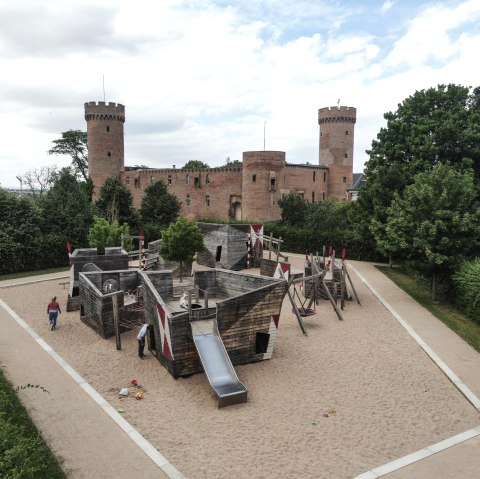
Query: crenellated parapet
{"x": 104, "y": 111}
{"x": 334, "y": 114}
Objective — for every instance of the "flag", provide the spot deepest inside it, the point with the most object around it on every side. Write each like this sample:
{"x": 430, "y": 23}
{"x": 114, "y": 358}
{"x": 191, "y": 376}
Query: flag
{"x": 69, "y": 247}
{"x": 344, "y": 253}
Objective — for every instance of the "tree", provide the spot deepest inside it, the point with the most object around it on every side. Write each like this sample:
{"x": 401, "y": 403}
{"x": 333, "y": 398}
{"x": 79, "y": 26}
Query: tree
{"x": 294, "y": 209}
{"x": 115, "y": 202}
{"x": 438, "y": 125}
{"x": 436, "y": 221}
{"x": 195, "y": 165}
{"x": 180, "y": 241}
{"x": 233, "y": 163}
{"x": 66, "y": 209}
{"x": 158, "y": 209}
{"x": 104, "y": 234}
{"x": 326, "y": 216}
{"x": 40, "y": 179}
{"x": 74, "y": 144}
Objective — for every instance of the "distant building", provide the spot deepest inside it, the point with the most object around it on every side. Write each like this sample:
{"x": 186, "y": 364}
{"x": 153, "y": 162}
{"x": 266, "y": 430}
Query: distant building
{"x": 359, "y": 179}
{"x": 250, "y": 192}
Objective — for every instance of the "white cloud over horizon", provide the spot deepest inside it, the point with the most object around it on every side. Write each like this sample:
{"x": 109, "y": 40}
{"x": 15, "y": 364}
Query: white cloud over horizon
{"x": 199, "y": 78}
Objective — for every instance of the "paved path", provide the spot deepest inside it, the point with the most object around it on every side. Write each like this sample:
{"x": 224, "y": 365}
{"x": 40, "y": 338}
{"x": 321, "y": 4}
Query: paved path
{"x": 91, "y": 439}
{"x": 459, "y": 360}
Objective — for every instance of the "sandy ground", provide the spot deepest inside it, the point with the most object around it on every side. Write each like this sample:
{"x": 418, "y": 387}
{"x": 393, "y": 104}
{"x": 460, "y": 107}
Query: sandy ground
{"x": 389, "y": 398}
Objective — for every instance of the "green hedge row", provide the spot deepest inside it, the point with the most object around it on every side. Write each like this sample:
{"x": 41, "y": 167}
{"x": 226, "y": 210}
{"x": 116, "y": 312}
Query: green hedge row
{"x": 43, "y": 252}
{"x": 467, "y": 288}
{"x": 301, "y": 240}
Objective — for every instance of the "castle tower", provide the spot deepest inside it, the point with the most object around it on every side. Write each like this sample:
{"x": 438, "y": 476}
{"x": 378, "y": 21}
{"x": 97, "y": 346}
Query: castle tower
{"x": 337, "y": 125}
{"x": 263, "y": 177}
{"x": 105, "y": 141}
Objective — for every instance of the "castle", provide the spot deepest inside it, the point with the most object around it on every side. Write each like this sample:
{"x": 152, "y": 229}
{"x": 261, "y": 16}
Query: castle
{"x": 250, "y": 192}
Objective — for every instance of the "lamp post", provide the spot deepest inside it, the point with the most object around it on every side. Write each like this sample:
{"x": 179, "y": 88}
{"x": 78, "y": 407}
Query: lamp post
{"x": 19, "y": 178}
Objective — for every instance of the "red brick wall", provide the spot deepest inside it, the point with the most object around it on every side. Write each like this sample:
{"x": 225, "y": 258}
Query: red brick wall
{"x": 307, "y": 180}
{"x": 223, "y": 188}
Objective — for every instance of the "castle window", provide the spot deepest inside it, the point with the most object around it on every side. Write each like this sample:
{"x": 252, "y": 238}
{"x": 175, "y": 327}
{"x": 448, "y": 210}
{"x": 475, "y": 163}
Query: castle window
{"x": 108, "y": 129}
{"x": 346, "y": 155}
{"x": 137, "y": 182}
{"x": 152, "y": 179}
{"x": 313, "y": 197}
{"x": 207, "y": 178}
{"x": 323, "y": 195}
{"x": 273, "y": 184}
{"x": 207, "y": 201}
{"x": 346, "y": 132}
{"x": 254, "y": 178}
{"x": 169, "y": 179}
{"x": 127, "y": 180}
{"x": 344, "y": 179}
{"x": 314, "y": 175}
{"x": 196, "y": 181}
{"x": 109, "y": 154}
{"x": 187, "y": 179}
{"x": 324, "y": 176}
{"x": 187, "y": 201}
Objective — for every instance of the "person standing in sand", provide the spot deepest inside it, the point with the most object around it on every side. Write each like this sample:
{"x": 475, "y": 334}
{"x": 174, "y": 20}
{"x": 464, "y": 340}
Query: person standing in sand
{"x": 141, "y": 340}
{"x": 53, "y": 309}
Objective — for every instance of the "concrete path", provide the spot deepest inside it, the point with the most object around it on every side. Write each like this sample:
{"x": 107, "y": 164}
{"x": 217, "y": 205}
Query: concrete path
{"x": 460, "y": 456}
{"x": 90, "y": 438}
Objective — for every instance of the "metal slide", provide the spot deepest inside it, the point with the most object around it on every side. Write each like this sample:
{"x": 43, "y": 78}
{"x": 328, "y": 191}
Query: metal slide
{"x": 216, "y": 363}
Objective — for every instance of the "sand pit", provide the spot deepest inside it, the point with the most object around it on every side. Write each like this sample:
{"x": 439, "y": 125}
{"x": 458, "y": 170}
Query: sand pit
{"x": 389, "y": 398}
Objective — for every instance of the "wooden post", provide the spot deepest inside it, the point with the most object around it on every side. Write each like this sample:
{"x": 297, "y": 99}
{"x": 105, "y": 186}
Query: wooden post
{"x": 197, "y": 296}
{"x": 342, "y": 288}
{"x": 294, "y": 305}
{"x": 270, "y": 247}
{"x": 116, "y": 322}
{"x": 339, "y": 314}
{"x": 351, "y": 284}
{"x": 205, "y": 300}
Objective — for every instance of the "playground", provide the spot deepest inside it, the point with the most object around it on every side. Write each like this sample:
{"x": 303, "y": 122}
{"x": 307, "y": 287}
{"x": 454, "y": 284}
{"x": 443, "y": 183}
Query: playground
{"x": 352, "y": 395}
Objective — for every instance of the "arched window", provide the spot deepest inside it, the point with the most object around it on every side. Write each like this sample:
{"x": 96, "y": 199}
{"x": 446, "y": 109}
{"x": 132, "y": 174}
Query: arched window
{"x": 187, "y": 201}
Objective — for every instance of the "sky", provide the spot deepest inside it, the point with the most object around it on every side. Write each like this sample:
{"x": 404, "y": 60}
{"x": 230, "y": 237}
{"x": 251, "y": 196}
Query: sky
{"x": 209, "y": 79}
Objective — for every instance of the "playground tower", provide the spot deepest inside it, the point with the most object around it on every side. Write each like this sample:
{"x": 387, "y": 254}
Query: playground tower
{"x": 105, "y": 141}
{"x": 337, "y": 125}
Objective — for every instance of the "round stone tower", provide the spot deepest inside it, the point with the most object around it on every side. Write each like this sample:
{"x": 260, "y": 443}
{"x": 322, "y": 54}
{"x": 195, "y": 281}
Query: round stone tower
{"x": 263, "y": 178}
{"x": 337, "y": 125}
{"x": 105, "y": 141}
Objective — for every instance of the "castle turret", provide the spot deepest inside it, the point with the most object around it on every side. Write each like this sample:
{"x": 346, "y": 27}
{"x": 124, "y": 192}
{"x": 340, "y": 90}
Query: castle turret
{"x": 105, "y": 141}
{"x": 337, "y": 125}
{"x": 263, "y": 177}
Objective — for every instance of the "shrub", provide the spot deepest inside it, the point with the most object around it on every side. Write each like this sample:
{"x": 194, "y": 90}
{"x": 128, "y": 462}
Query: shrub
{"x": 467, "y": 288}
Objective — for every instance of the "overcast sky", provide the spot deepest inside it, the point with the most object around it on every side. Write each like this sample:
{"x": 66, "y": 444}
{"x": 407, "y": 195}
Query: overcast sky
{"x": 200, "y": 78}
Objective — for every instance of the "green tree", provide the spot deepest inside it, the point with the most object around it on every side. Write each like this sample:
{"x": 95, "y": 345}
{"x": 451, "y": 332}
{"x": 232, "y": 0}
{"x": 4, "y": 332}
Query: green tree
{"x": 438, "y": 125}
{"x": 180, "y": 241}
{"x": 20, "y": 221}
{"x": 436, "y": 221}
{"x": 104, "y": 235}
{"x": 66, "y": 209}
{"x": 158, "y": 209}
{"x": 233, "y": 163}
{"x": 73, "y": 143}
{"x": 195, "y": 165}
{"x": 326, "y": 216}
{"x": 115, "y": 202}
{"x": 294, "y": 209}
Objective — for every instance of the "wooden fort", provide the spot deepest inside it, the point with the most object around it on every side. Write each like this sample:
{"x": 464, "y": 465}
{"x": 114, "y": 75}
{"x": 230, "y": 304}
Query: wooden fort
{"x": 82, "y": 259}
{"x": 233, "y": 247}
{"x": 246, "y": 308}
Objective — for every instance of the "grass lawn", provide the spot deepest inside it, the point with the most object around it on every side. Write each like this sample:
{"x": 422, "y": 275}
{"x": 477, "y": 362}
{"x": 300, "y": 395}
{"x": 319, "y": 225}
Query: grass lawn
{"x": 23, "y": 452}
{"x": 25, "y": 274}
{"x": 466, "y": 328}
